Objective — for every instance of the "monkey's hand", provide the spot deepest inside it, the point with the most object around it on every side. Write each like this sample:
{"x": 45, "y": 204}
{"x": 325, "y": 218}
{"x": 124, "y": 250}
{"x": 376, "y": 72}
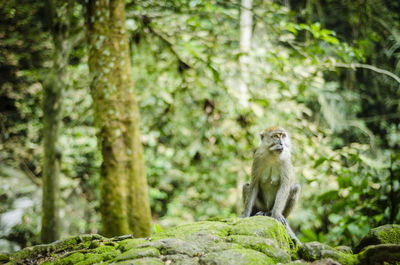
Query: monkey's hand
{"x": 280, "y": 218}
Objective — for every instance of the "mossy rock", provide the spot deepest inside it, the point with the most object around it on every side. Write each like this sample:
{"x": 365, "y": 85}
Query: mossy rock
{"x": 380, "y": 254}
{"x": 181, "y": 259}
{"x": 216, "y": 228}
{"x": 236, "y": 257}
{"x": 136, "y": 253}
{"x": 387, "y": 234}
{"x": 318, "y": 251}
{"x": 254, "y": 240}
{"x": 263, "y": 245}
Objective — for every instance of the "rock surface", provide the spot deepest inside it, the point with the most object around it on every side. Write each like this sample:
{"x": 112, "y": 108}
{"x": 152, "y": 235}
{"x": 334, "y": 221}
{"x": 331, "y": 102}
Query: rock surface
{"x": 386, "y": 234}
{"x": 254, "y": 240}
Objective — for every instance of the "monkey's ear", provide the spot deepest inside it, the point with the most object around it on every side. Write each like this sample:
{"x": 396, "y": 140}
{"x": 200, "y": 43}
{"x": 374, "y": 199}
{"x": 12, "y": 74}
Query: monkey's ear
{"x": 262, "y": 136}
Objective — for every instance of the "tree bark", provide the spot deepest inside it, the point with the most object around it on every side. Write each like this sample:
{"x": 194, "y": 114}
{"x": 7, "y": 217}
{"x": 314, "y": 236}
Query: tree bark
{"x": 124, "y": 199}
{"x": 53, "y": 87}
{"x": 246, "y": 22}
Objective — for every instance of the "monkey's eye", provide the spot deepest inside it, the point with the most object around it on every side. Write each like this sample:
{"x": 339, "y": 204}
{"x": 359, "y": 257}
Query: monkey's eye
{"x": 283, "y": 135}
{"x": 275, "y": 136}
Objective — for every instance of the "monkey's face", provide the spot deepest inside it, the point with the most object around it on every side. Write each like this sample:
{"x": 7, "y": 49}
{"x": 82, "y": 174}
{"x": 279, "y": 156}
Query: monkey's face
{"x": 276, "y": 140}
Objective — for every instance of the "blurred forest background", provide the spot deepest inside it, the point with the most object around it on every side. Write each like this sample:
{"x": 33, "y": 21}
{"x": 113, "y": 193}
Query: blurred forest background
{"x": 208, "y": 77}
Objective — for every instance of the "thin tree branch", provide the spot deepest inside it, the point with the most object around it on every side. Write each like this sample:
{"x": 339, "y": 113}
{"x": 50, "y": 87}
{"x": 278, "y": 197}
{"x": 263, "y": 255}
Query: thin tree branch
{"x": 30, "y": 174}
{"x": 370, "y": 67}
{"x": 375, "y": 118}
{"x": 169, "y": 44}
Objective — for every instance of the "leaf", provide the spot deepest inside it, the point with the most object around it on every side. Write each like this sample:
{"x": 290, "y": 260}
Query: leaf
{"x": 310, "y": 234}
{"x": 320, "y": 161}
{"x": 345, "y": 181}
{"x": 354, "y": 229}
{"x": 329, "y": 195}
{"x": 158, "y": 228}
{"x": 292, "y": 28}
{"x": 335, "y": 218}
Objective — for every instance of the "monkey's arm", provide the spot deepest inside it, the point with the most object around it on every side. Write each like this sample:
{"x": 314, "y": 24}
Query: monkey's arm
{"x": 280, "y": 199}
{"x": 250, "y": 198}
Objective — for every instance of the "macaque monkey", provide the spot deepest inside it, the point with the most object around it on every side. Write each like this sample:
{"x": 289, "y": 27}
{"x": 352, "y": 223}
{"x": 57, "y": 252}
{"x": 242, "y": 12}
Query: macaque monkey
{"x": 272, "y": 191}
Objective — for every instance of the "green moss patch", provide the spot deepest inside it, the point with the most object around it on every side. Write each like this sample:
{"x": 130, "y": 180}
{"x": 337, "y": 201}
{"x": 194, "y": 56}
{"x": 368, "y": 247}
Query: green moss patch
{"x": 127, "y": 244}
{"x": 183, "y": 231}
{"x": 380, "y": 254}
{"x": 180, "y": 259}
{"x": 71, "y": 259}
{"x": 316, "y": 251}
{"x": 136, "y": 253}
{"x": 236, "y": 256}
{"x": 387, "y": 234}
{"x": 261, "y": 226}
{"x": 264, "y": 245}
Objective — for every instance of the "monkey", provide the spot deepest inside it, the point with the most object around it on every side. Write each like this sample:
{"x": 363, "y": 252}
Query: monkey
{"x": 272, "y": 190}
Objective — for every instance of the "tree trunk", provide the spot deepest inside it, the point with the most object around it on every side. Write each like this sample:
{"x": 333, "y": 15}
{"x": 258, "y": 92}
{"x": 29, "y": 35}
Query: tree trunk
{"x": 124, "y": 200}
{"x": 246, "y": 22}
{"x": 53, "y": 87}
{"x": 51, "y": 160}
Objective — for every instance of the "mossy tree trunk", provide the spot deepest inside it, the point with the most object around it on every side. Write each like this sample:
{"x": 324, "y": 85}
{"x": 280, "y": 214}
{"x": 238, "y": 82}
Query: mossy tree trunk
{"x": 53, "y": 86}
{"x": 124, "y": 199}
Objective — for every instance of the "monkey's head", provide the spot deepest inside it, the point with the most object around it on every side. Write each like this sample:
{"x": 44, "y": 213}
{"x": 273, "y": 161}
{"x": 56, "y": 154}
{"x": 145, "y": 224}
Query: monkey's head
{"x": 277, "y": 141}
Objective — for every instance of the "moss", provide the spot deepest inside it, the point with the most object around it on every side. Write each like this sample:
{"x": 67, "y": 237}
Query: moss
{"x": 183, "y": 231}
{"x": 31, "y": 251}
{"x": 387, "y": 234}
{"x": 222, "y": 246}
{"x": 83, "y": 245}
{"x": 181, "y": 259}
{"x": 71, "y": 259}
{"x": 104, "y": 249}
{"x": 298, "y": 262}
{"x": 316, "y": 251}
{"x": 264, "y": 245}
{"x": 77, "y": 242}
{"x": 90, "y": 258}
{"x": 148, "y": 261}
{"x": 344, "y": 249}
{"x": 262, "y": 226}
{"x": 139, "y": 253}
{"x": 236, "y": 256}
{"x": 219, "y": 219}
{"x": 49, "y": 262}
{"x": 107, "y": 252}
{"x": 4, "y": 257}
{"x": 204, "y": 239}
{"x": 127, "y": 244}
{"x": 53, "y": 249}
{"x": 380, "y": 254}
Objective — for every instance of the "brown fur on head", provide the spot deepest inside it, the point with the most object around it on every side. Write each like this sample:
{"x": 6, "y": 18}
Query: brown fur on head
{"x": 274, "y": 128}
{"x": 271, "y": 129}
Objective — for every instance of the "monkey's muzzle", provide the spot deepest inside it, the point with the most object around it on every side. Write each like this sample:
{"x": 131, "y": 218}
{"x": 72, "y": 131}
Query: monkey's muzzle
{"x": 277, "y": 148}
